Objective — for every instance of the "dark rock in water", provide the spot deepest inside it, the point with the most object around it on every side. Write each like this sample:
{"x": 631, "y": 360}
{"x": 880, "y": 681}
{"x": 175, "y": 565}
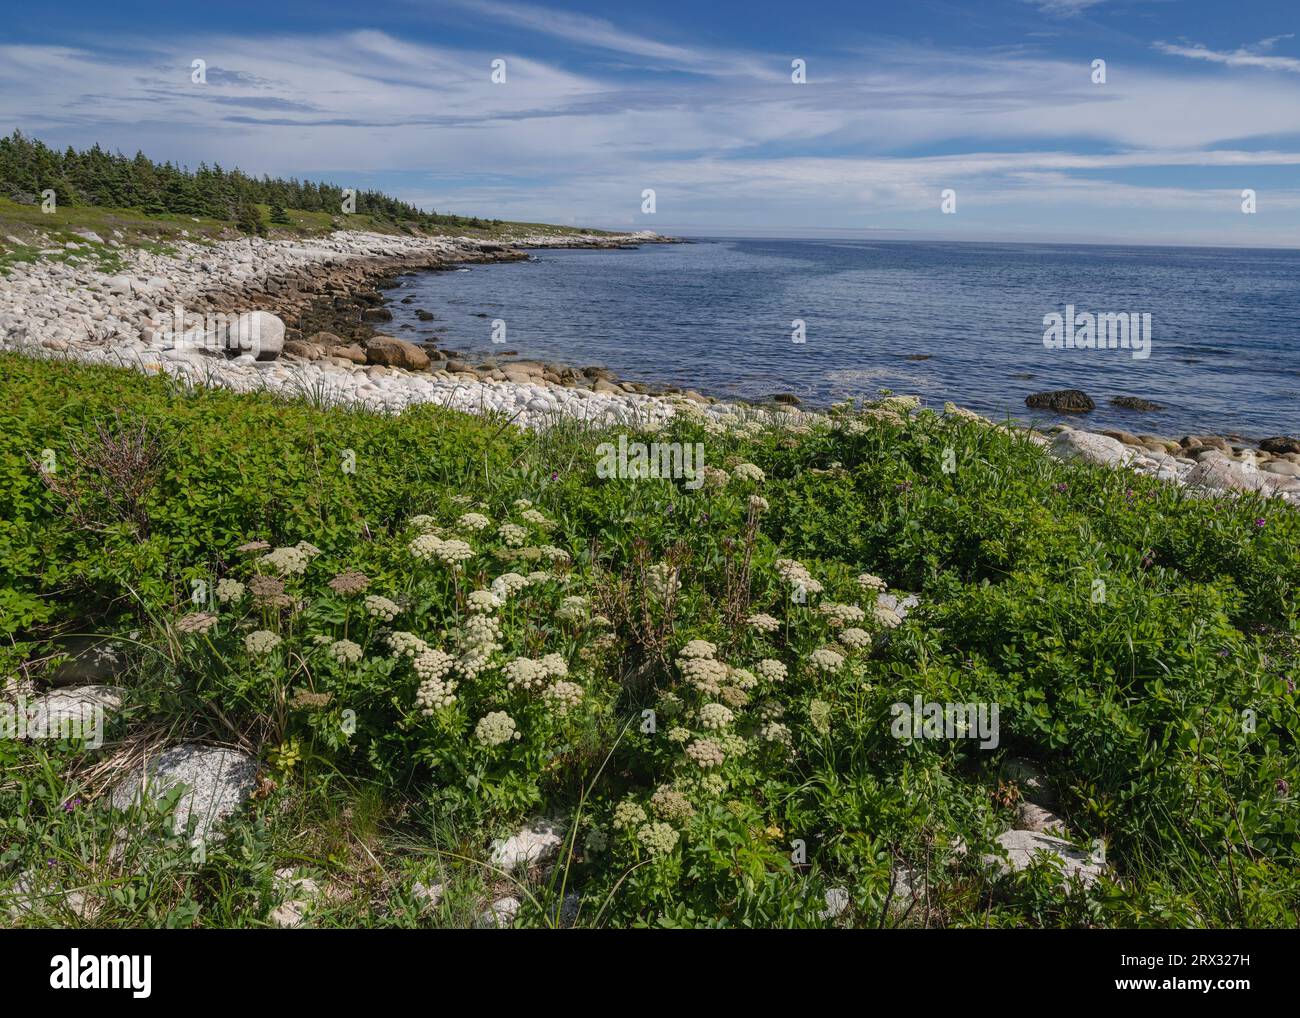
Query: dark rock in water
{"x": 424, "y": 316}
{"x": 387, "y": 283}
{"x": 788, "y": 398}
{"x": 1023, "y": 376}
{"x": 1067, "y": 400}
{"x": 1134, "y": 403}
{"x": 376, "y": 315}
{"x": 919, "y": 356}
{"x": 408, "y": 300}
{"x": 1280, "y": 444}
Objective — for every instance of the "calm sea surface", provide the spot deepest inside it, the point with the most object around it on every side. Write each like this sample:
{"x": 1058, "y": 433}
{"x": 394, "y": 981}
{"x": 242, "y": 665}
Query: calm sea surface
{"x": 716, "y": 316}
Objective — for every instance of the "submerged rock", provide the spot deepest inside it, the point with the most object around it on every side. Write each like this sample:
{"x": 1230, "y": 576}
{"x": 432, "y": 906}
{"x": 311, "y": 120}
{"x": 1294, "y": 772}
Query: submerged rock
{"x": 1134, "y": 403}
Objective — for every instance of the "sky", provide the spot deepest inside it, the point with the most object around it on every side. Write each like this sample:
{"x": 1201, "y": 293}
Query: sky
{"x": 998, "y": 102}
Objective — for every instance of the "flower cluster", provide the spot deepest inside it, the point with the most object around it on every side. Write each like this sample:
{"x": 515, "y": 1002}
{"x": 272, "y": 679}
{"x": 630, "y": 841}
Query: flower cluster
{"x": 796, "y": 574}
{"x": 345, "y": 652}
{"x": 229, "y": 590}
{"x": 381, "y": 608}
{"x": 406, "y": 644}
{"x": 496, "y": 729}
{"x": 771, "y": 669}
{"x": 261, "y": 641}
{"x": 563, "y": 697}
{"x": 658, "y": 838}
{"x": 826, "y": 659}
{"x": 349, "y": 582}
{"x": 748, "y": 472}
{"x": 706, "y": 753}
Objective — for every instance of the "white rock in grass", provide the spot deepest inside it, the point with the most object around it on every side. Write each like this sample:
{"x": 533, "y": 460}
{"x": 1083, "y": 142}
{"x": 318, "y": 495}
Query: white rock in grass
{"x": 73, "y": 712}
{"x": 502, "y": 914}
{"x": 1023, "y": 847}
{"x": 301, "y": 894}
{"x": 837, "y": 902}
{"x": 218, "y": 782}
{"x": 536, "y": 844}
{"x": 1032, "y": 817}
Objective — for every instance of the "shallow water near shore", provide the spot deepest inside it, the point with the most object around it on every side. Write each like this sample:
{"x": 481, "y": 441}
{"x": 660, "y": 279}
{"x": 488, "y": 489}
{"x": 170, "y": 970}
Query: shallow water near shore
{"x": 947, "y": 321}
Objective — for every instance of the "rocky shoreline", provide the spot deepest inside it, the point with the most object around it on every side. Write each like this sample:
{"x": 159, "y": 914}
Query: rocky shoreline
{"x": 318, "y": 308}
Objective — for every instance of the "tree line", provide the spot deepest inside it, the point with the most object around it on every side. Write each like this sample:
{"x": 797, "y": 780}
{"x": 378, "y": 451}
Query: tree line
{"x": 95, "y": 176}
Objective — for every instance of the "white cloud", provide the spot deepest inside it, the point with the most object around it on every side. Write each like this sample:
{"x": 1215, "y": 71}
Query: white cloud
{"x": 1257, "y": 55}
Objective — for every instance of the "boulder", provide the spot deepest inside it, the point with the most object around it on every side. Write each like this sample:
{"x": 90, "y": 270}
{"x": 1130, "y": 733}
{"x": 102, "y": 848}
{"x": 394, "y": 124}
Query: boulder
{"x": 535, "y": 844}
{"x": 1086, "y": 447}
{"x": 350, "y": 352}
{"x": 501, "y": 914}
{"x": 396, "y": 353}
{"x": 1032, "y": 782}
{"x": 217, "y": 783}
{"x": 259, "y": 333}
{"x": 376, "y": 315}
{"x": 76, "y": 711}
{"x": 1280, "y": 444}
{"x": 1019, "y": 849}
{"x": 1067, "y": 400}
{"x": 303, "y": 349}
{"x": 327, "y": 339}
{"x": 1225, "y": 475}
{"x": 1032, "y": 817}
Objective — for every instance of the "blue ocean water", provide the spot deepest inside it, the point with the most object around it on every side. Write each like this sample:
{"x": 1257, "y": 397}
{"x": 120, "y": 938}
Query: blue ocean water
{"x": 716, "y": 316}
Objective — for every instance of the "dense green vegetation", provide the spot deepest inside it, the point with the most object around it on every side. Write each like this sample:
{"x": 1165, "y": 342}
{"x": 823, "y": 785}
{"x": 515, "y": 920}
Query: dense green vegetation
{"x": 28, "y": 168}
{"x": 1163, "y": 711}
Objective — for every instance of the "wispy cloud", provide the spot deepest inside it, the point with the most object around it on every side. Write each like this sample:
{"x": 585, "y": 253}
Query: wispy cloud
{"x": 1256, "y": 55}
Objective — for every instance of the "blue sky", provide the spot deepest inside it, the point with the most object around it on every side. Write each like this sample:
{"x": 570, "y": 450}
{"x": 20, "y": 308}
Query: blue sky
{"x": 993, "y": 100}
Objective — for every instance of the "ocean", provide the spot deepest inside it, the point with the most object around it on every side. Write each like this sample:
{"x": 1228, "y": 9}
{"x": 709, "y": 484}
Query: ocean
{"x": 945, "y": 321}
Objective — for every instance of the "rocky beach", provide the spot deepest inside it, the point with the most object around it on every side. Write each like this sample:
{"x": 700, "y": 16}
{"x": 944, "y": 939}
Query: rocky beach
{"x": 317, "y": 310}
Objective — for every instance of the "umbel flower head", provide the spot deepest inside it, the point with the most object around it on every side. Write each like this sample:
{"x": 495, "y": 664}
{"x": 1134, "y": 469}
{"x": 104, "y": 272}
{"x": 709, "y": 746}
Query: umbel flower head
{"x": 563, "y": 697}
{"x": 345, "y": 652}
{"x": 349, "y": 582}
{"x": 763, "y": 623}
{"x": 715, "y": 716}
{"x": 706, "y": 753}
{"x": 229, "y": 590}
{"x": 629, "y": 814}
{"x": 748, "y": 472}
{"x": 287, "y": 561}
{"x": 496, "y": 729}
{"x": 261, "y": 641}
{"x": 381, "y": 608}
{"x": 196, "y": 622}
{"x": 658, "y": 838}
{"x": 826, "y": 659}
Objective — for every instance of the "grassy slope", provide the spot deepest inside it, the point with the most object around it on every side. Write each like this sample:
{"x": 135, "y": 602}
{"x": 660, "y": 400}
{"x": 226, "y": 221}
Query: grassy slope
{"x": 1133, "y": 702}
{"x": 25, "y": 230}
